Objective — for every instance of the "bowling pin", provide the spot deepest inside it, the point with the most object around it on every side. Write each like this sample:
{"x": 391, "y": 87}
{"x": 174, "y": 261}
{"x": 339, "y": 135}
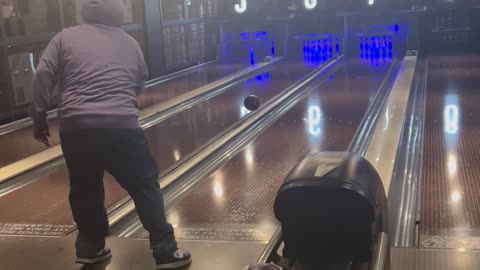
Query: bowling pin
{"x": 372, "y": 47}
{"x": 307, "y": 50}
{"x": 273, "y": 48}
{"x": 252, "y": 56}
{"x": 325, "y": 50}
{"x": 366, "y": 46}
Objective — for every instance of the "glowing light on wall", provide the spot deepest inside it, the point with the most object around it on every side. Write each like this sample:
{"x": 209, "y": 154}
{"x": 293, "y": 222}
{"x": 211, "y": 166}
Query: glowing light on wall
{"x": 313, "y": 119}
{"x": 310, "y": 4}
{"x": 371, "y": 2}
{"x": 242, "y": 7}
{"x": 451, "y": 119}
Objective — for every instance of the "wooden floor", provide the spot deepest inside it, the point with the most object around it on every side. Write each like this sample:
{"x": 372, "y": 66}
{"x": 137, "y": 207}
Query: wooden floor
{"x": 450, "y": 191}
{"x": 53, "y": 253}
{"x": 59, "y": 254}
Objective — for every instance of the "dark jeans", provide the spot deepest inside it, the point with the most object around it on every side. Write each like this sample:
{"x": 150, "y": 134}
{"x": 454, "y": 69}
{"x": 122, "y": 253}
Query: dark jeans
{"x": 125, "y": 154}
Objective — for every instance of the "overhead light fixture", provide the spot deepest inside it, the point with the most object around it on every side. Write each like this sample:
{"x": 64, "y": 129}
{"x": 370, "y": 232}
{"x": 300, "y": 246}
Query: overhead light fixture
{"x": 242, "y": 7}
{"x": 371, "y": 2}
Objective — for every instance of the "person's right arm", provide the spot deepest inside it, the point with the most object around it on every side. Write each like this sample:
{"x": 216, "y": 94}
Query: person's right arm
{"x": 44, "y": 82}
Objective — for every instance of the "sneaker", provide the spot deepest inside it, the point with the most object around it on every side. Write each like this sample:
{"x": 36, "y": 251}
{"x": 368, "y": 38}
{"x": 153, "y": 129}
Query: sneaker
{"x": 178, "y": 259}
{"x": 102, "y": 255}
{"x": 263, "y": 266}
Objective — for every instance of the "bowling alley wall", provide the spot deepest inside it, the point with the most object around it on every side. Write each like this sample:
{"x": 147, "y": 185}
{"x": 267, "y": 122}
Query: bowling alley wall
{"x": 376, "y": 36}
{"x": 26, "y": 27}
{"x": 177, "y": 34}
{"x": 450, "y": 31}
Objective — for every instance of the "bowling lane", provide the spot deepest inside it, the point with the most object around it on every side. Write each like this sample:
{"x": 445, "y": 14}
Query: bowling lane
{"x": 235, "y": 202}
{"x": 20, "y": 144}
{"x": 45, "y": 201}
{"x": 450, "y": 183}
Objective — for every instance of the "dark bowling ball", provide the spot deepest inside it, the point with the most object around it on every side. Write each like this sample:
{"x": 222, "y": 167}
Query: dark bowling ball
{"x": 252, "y": 103}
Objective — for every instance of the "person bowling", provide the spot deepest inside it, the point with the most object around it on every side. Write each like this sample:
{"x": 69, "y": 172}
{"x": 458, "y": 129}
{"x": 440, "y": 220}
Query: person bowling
{"x": 100, "y": 70}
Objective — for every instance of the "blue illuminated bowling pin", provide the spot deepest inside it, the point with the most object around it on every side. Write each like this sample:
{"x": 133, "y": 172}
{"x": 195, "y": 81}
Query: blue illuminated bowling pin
{"x": 316, "y": 51}
{"x": 319, "y": 51}
{"x": 372, "y": 47}
{"x": 330, "y": 48}
{"x": 366, "y": 47}
{"x": 390, "y": 44}
{"x": 337, "y": 47}
{"x": 325, "y": 49}
{"x": 312, "y": 51}
{"x": 384, "y": 47}
{"x": 273, "y": 48}
{"x": 307, "y": 51}
{"x": 252, "y": 56}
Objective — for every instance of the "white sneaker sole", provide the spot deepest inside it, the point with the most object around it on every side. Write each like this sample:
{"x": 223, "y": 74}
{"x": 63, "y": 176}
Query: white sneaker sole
{"x": 95, "y": 260}
{"x": 174, "y": 265}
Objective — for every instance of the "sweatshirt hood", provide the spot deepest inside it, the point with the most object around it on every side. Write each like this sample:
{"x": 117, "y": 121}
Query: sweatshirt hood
{"x": 104, "y": 12}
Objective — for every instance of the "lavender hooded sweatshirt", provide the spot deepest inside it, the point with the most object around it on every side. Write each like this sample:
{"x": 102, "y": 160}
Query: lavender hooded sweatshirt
{"x": 99, "y": 69}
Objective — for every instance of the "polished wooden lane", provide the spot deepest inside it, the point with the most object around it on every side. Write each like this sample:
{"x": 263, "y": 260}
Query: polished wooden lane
{"x": 45, "y": 201}
{"x": 450, "y": 184}
{"x": 236, "y": 202}
{"x": 20, "y": 144}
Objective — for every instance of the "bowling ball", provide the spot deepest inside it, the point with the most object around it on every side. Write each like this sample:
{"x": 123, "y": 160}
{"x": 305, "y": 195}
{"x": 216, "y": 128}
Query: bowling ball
{"x": 252, "y": 103}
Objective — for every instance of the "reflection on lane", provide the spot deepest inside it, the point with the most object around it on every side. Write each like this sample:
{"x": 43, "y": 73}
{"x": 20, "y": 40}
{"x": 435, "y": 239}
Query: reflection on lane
{"x": 451, "y": 115}
{"x": 451, "y": 127}
{"x": 314, "y": 120}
